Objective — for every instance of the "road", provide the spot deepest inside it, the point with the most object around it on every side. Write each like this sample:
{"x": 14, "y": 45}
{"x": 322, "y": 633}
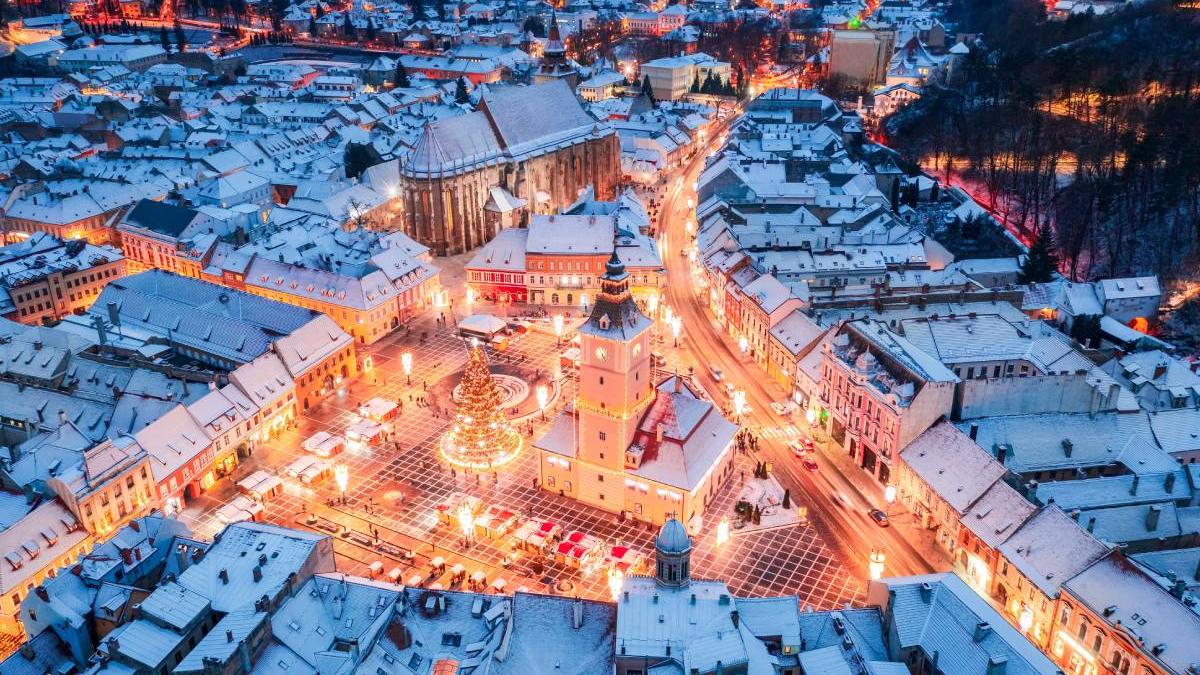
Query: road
{"x": 847, "y": 529}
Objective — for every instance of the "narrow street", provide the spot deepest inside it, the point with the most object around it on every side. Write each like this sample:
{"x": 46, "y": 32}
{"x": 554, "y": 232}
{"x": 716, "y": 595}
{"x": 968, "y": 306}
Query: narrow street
{"x": 846, "y": 528}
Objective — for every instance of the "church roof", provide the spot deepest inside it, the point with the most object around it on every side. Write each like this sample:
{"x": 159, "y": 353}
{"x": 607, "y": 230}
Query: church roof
{"x": 673, "y": 538}
{"x": 511, "y": 123}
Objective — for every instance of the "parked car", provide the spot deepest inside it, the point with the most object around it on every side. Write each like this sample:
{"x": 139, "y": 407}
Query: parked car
{"x": 716, "y": 373}
{"x": 809, "y": 463}
{"x": 840, "y": 500}
{"x": 880, "y": 518}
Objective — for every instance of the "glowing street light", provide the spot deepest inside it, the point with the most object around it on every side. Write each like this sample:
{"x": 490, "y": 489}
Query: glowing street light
{"x": 889, "y": 494}
{"x": 690, "y": 227}
{"x": 722, "y": 531}
{"x": 652, "y": 303}
{"x": 583, "y": 301}
{"x": 743, "y": 344}
{"x": 466, "y": 521}
{"x": 341, "y": 476}
{"x": 739, "y": 402}
{"x": 676, "y": 327}
{"x": 875, "y": 564}
{"x": 406, "y": 361}
{"x": 558, "y": 327}
{"x": 668, "y": 314}
{"x": 470, "y": 298}
{"x": 543, "y": 397}
{"x": 616, "y": 581}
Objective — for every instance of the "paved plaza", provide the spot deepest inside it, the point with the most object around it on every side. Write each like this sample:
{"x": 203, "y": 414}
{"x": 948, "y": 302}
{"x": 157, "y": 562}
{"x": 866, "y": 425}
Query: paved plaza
{"x": 388, "y": 513}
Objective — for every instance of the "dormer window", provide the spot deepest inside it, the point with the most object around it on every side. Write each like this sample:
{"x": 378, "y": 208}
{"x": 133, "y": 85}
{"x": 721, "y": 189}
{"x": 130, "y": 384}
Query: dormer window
{"x": 605, "y": 322}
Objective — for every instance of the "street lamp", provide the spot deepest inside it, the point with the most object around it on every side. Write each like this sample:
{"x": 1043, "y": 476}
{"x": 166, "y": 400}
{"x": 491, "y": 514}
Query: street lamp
{"x": 470, "y": 298}
{"x": 583, "y": 302}
{"x": 875, "y": 564}
{"x": 558, "y": 328}
{"x": 466, "y": 521}
{"x": 616, "y": 581}
{"x": 406, "y": 364}
{"x": 743, "y": 344}
{"x": 722, "y": 531}
{"x": 676, "y": 327}
{"x": 889, "y": 495}
{"x": 543, "y": 397}
{"x": 341, "y": 476}
{"x": 739, "y": 402}
{"x": 652, "y": 303}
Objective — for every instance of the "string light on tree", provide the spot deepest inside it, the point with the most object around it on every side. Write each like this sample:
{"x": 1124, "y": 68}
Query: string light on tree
{"x": 481, "y": 437}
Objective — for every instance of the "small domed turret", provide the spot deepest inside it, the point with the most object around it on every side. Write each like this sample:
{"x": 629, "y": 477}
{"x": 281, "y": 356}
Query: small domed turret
{"x": 672, "y": 554}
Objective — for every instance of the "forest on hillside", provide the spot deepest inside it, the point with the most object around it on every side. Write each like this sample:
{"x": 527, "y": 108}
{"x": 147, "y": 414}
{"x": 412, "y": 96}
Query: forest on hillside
{"x": 1087, "y": 126}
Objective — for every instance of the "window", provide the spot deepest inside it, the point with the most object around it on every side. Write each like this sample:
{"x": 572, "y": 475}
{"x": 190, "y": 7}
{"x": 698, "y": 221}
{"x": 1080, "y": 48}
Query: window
{"x": 600, "y": 478}
{"x": 603, "y": 436}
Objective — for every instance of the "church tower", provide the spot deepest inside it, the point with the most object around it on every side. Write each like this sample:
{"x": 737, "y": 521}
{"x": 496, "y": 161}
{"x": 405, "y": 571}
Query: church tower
{"x": 555, "y": 64}
{"x": 615, "y": 387}
{"x": 672, "y": 555}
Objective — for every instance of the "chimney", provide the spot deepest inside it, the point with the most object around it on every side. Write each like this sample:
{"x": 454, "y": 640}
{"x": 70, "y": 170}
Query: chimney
{"x": 974, "y": 430}
{"x": 223, "y": 575}
{"x": 257, "y": 573}
{"x": 1001, "y": 452}
{"x": 229, "y": 636}
{"x": 62, "y": 416}
{"x": 658, "y": 433}
{"x": 926, "y": 592}
{"x": 982, "y": 629}
{"x": 997, "y": 665}
{"x": 1134, "y": 486}
{"x": 1179, "y": 588}
{"x": 127, "y": 556}
{"x": 577, "y": 614}
{"x": 42, "y": 593}
{"x": 1169, "y": 483}
{"x": 1068, "y": 447}
{"x": 733, "y": 617}
{"x": 1152, "y": 517}
{"x": 1091, "y": 524}
{"x": 1160, "y": 369}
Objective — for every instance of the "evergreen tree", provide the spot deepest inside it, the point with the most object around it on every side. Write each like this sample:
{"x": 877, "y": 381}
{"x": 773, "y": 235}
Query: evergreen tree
{"x": 787, "y": 498}
{"x": 164, "y": 40}
{"x": 710, "y": 85}
{"x": 481, "y": 436}
{"x": 1042, "y": 262}
{"x": 461, "y": 95}
{"x": 358, "y": 158}
{"x": 647, "y": 89}
{"x": 696, "y": 84}
{"x": 370, "y": 30}
{"x": 312, "y": 26}
{"x": 534, "y": 26}
{"x": 348, "y": 26}
{"x": 400, "y": 79}
{"x": 1085, "y": 330}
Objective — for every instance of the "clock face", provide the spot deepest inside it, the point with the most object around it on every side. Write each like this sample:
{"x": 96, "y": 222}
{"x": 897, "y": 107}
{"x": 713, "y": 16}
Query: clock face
{"x": 601, "y": 354}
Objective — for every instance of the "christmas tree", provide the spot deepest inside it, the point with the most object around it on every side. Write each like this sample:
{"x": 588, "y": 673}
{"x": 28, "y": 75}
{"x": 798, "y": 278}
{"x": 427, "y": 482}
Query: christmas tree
{"x": 481, "y": 437}
{"x": 1042, "y": 262}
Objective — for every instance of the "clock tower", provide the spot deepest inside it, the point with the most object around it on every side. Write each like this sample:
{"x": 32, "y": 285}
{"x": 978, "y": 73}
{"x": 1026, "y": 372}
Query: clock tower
{"x": 615, "y": 387}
